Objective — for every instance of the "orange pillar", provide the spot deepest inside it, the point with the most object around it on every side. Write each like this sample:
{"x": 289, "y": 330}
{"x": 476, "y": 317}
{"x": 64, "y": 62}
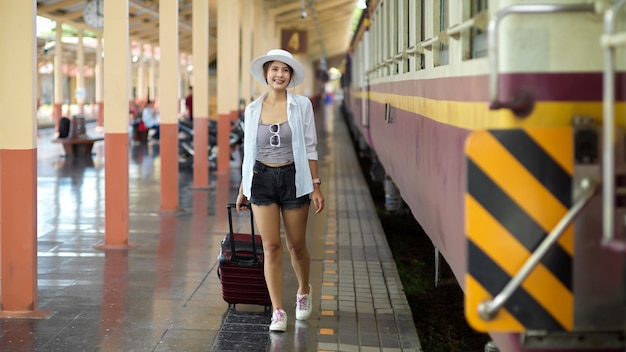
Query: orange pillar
{"x": 80, "y": 73}
{"x": 57, "y": 113}
{"x": 200, "y": 43}
{"x": 100, "y": 117}
{"x": 117, "y": 71}
{"x": 200, "y": 147}
{"x": 229, "y": 13}
{"x": 222, "y": 195}
{"x": 168, "y": 100}
{"x": 223, "y": 140}
{"x": 223, "y": 145}
{"x": 247, "y": 30}
{"x": 18, "y": 161}
{"x": 58, "y": 77}
{"x": 99, "y": 84}
{"x": 169, "y": 167}
{"x": 141, "y": 76}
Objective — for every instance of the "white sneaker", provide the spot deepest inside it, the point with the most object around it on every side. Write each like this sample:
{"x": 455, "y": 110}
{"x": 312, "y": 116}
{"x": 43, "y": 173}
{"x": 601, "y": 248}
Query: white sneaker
{"x": 279, "y": 320}
{"x": 304, "y": 307}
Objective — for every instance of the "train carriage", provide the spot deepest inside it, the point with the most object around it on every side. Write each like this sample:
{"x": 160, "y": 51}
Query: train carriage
{"x": 501, "y": 123}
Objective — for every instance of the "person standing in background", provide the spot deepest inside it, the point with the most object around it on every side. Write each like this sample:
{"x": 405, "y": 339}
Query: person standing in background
{"x": 189, "y": 104}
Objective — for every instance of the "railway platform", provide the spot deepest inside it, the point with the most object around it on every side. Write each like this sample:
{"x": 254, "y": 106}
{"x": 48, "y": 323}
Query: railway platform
{"x": 165, "y": 295}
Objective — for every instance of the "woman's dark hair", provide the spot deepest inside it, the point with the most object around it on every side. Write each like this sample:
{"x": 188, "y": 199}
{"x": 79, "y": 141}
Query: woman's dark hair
{"x": 266, "y": 67}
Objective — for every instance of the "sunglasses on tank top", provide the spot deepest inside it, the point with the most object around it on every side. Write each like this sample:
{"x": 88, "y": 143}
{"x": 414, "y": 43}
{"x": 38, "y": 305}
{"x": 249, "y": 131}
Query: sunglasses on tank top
{"x": 275, "y": 138}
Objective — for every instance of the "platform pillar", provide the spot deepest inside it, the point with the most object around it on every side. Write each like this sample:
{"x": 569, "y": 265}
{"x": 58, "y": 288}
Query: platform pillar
{"x": 18, "y": 161}
{"x": 200, "y": 43}
{"x": 168, "y": 93}
{"x": 58, "y": 77}
{"x": 116, "y": 95}
{"x": 98, "y": 72}
{"x": 229, "y": 13}
{"x": 80, "y": 74}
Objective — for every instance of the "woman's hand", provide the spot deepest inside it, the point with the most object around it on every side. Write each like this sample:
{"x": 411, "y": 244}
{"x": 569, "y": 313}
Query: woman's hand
{"x": 318, "y": 200}
{"x": 242, "y": 202}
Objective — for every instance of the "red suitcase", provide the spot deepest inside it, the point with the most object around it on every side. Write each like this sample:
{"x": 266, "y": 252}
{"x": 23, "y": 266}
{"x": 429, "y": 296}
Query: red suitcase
{"x": 240, "y": 266}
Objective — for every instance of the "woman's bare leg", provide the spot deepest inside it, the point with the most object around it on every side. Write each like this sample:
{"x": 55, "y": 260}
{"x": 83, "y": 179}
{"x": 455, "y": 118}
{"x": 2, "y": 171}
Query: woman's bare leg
{"x": 267, "y": 218}
{"x": 295, "y": 227}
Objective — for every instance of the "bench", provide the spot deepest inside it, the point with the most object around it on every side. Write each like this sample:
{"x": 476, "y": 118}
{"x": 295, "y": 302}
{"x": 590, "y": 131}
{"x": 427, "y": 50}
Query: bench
{"x": 77, "y": 145}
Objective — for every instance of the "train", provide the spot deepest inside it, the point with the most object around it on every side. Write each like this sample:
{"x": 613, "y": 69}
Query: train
{"x": 500, "y": 124}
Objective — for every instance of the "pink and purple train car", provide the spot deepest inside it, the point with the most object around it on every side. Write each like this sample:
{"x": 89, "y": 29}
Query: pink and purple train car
{"x": 501, "y": 124}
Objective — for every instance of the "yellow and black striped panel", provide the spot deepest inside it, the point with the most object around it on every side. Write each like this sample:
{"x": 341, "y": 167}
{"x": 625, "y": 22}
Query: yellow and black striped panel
{"x": 518, "y": 188}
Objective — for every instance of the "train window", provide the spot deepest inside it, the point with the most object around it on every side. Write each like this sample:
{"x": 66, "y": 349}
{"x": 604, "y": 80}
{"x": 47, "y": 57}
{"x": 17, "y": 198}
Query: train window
{"x": 386, "y": 32}
{"x": 381, "y": 49}
{"x": 375, "y": 47}
{"x": 400, "y": 34}
{"x": 392, "y": 35}
{"x": 478, "y": 40}
{"x": 385, "y": 35}
{"x": 392, "y": 28}
{"x": 421, "y": 62}
{"x": 441, "y": 24}
{"x": 407, "y": 39}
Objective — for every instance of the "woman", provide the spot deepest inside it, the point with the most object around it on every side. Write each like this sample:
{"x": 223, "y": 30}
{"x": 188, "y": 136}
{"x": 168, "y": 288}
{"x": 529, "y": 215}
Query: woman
{"x": 280, "y": 175}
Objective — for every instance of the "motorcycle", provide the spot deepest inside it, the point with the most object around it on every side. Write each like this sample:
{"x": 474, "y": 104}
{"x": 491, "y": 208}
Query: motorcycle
{"x": 185, "y": 142}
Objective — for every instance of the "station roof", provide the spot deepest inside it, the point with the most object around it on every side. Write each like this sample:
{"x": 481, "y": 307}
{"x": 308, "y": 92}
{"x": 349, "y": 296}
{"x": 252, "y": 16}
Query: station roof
{"x": 328, "y": 23}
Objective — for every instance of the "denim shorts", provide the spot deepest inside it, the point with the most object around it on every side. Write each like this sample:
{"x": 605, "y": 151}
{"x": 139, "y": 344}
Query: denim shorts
{"x": 276, "y": 185}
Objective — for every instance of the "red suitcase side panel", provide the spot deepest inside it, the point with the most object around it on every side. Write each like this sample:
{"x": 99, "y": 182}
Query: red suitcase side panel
{"x": 242, "y": 279}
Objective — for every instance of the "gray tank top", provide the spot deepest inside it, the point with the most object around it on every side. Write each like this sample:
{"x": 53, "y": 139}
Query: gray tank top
{"x": 274, "y": 143}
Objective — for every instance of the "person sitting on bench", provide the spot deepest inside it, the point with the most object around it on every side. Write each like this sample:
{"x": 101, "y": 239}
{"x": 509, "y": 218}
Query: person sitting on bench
{"x": 150, "y": 118}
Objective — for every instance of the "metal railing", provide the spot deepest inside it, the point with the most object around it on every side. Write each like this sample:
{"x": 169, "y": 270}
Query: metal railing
{"x": 488, "y": 309}
{"x": 609, "y": 40}
{"x": 518, "y": 106}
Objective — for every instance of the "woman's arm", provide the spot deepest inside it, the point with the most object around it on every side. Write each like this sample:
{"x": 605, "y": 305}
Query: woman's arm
{"x": 242, "y": 201}
{"x": 317, "y": 197}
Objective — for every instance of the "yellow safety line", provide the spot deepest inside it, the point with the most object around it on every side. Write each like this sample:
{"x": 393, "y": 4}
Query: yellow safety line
{"x": 477, "y": 115}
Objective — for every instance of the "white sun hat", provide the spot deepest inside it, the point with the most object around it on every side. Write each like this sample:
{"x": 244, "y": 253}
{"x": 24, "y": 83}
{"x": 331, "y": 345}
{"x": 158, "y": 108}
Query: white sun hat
{"x": 256, "y": 67}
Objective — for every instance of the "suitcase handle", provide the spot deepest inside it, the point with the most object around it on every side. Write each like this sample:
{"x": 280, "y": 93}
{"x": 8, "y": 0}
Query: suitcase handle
{"x": 233, "y": 258}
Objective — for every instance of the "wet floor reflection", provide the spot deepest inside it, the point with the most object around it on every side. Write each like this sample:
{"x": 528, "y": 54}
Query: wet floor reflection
{"x": 162, "y": 295}
{"x": 222, "y": 195}
{"x": 300, "y": 336}
{"x": 199, "y": 220}
{"x": 166, "y": 251}
{"x": 137, "y": 152}
{"x": 17, "y": 333}
{"x": 114, "y": 293}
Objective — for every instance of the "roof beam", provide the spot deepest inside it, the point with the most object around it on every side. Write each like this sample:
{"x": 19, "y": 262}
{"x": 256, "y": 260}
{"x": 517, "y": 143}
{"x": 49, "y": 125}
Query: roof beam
{"x": 57, "y": 5}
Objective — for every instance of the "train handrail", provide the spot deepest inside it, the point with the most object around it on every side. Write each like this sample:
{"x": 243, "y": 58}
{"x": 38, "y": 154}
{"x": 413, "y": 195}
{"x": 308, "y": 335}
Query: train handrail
{"x": 521, "y": 106}
{"x": 428, "y": 43}
{"x": 608, "y": 131}
{"x": 616, "y": 39}
{"x": 414, "y": 50}
{"x": 489, "y": 308}
{"x": 479, "y": 21}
